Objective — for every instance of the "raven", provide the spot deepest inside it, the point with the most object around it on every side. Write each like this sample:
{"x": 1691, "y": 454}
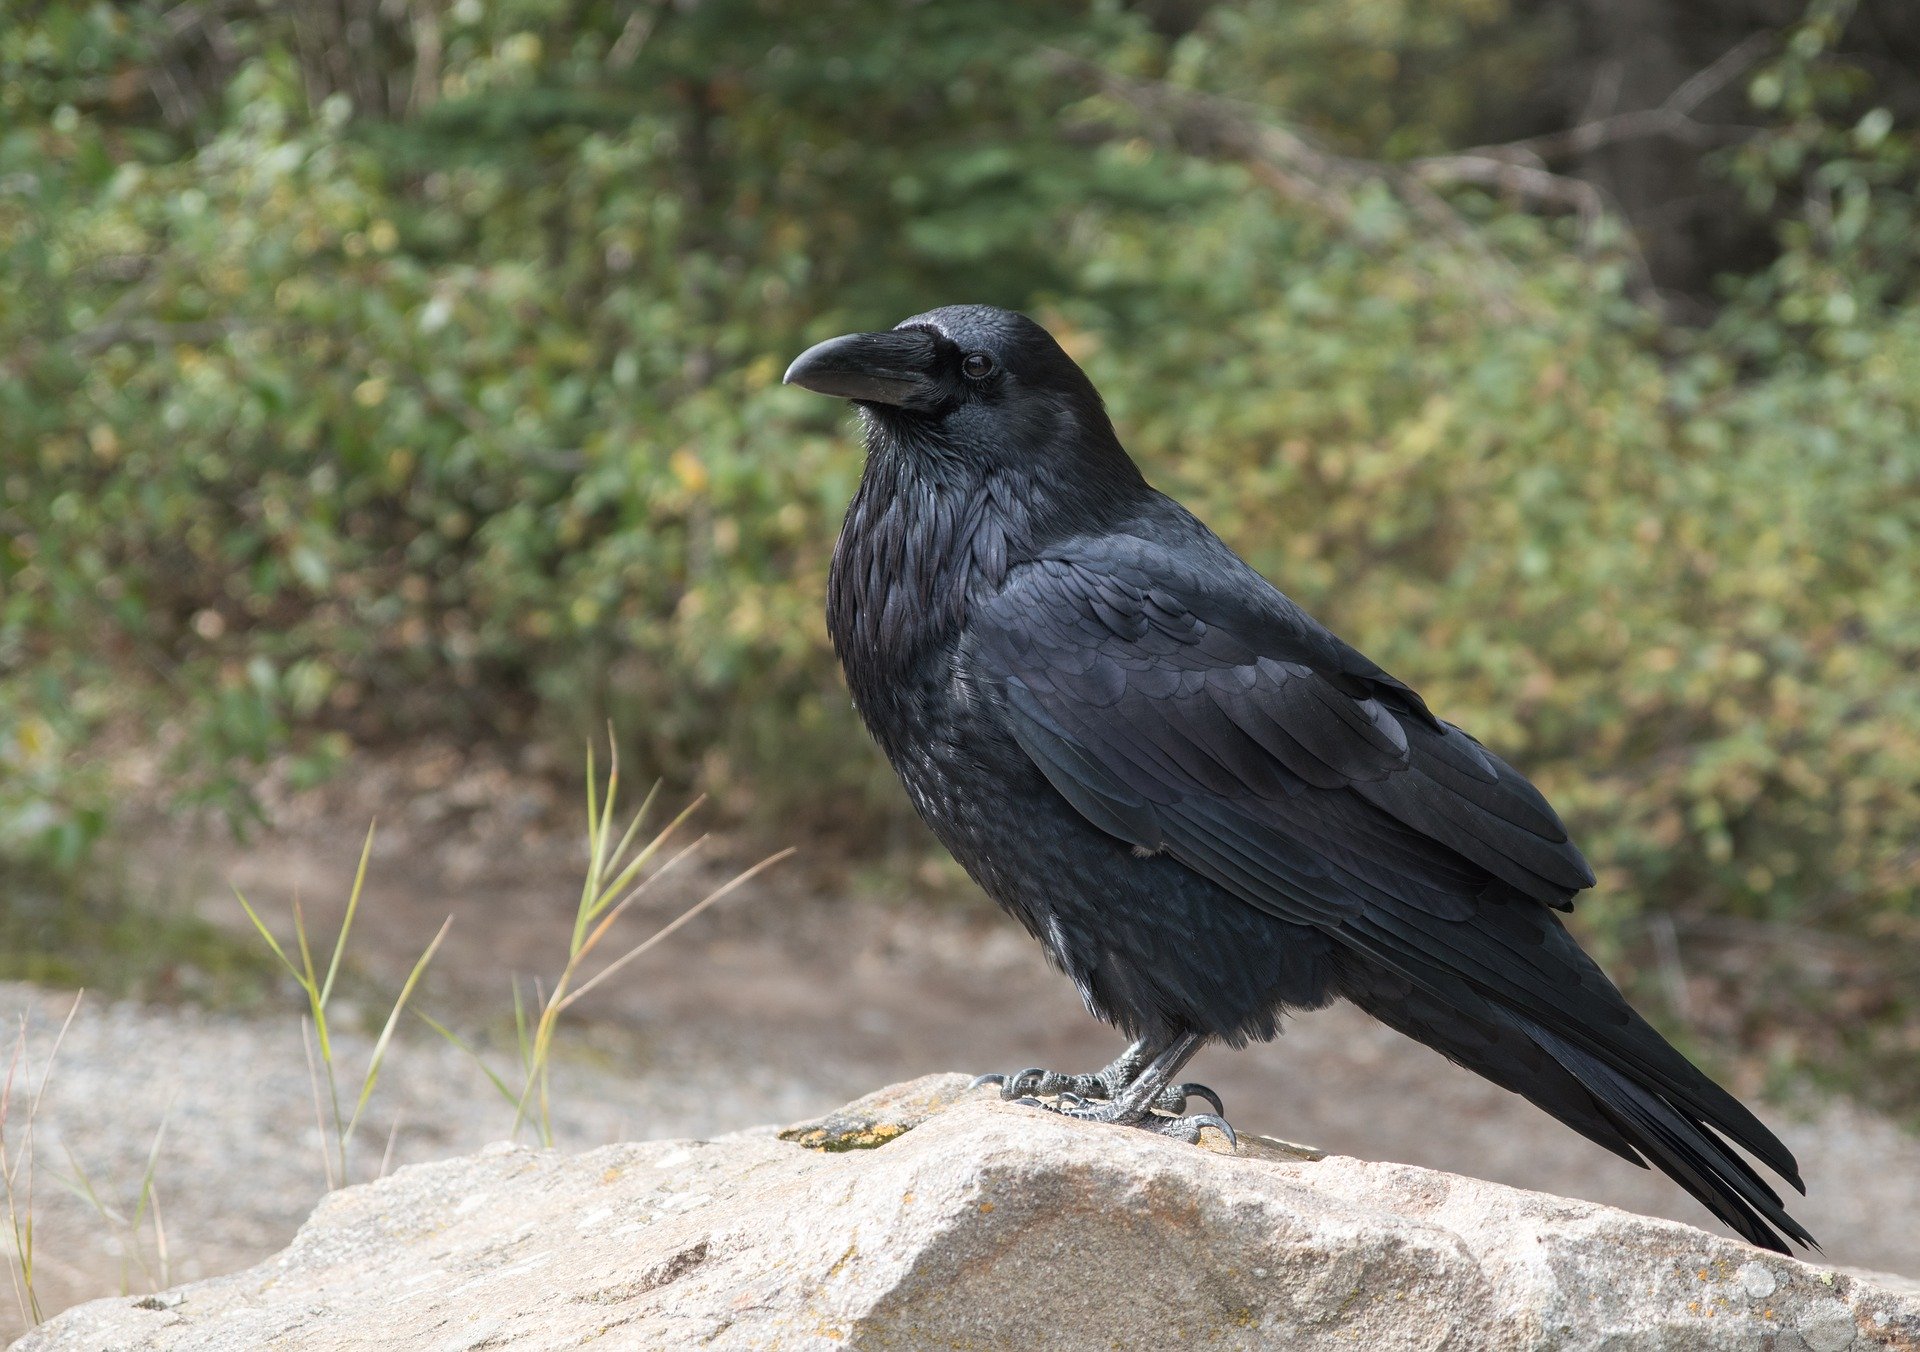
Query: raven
{"x": 1206, "y": 807}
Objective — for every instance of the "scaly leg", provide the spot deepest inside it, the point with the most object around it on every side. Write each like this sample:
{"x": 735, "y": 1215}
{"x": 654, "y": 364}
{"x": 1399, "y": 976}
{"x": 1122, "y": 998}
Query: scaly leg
{"x": 1136, "y": 1088}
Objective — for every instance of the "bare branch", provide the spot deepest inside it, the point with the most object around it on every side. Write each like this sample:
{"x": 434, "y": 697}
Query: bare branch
{"x": 1531, "y": 184}
{"x": 103, "y": 336}
{"x": 427, "y": 51}
{"x": 1673, "y": 118}
{"x": 1604, "y": 97}
{"x": 1288, "y": 162}
{"x": 1220, "y": 128}
{"x": 1702, "y": 86}
{"x": 1296, "y": 168}
{"x": 1525, "y": 181}
{"x": 633, "y": 36}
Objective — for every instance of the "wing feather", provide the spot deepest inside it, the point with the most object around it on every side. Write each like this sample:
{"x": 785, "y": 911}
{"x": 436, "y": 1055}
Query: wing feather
{"x": 1174, "y": 713}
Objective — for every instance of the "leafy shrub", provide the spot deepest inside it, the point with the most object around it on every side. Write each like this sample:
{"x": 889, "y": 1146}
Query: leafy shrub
{"x": 318, "y": 427}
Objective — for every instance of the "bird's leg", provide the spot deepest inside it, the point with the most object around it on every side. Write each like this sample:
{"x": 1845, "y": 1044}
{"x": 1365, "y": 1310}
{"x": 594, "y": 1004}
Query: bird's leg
{"x": 1146, "y": 1062}
{"x": 1135, "y": 1105}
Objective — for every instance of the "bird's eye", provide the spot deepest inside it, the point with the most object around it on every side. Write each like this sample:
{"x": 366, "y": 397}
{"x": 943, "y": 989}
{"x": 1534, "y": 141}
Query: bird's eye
{"x": 977, "y": 365}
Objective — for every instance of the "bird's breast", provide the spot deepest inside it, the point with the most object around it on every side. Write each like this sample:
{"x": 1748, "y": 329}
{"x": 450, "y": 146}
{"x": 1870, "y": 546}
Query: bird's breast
{"x": 911, "y": 558}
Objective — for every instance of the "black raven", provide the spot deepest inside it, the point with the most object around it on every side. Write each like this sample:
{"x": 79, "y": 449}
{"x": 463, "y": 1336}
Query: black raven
{"x": 1208, "y": 808}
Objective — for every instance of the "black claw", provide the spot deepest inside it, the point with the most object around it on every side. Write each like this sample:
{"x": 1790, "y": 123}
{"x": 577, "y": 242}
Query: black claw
{"x": 1173, "y": 1099}
{"x": 1199, "y": 1120}
{"x": 1029, "y": 1080}
{"x": 1127, "y": 1104}
{"x": 1180, "y": 1128}
{"x": 1187, "y": 1091}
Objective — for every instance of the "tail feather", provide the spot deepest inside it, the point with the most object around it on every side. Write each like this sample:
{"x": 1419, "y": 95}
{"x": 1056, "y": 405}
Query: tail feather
{"x": 1489, "y": 1044}
{"x": 1634, "y": 1115}
{"x": 1569, "y": 994}
{"x": 1686, "y": 1149}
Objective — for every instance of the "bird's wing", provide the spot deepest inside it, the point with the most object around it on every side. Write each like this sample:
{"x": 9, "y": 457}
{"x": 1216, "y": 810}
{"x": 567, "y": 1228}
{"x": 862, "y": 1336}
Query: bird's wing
{"x": 1172, "y": 704}
{"x": 1180, "y": 703}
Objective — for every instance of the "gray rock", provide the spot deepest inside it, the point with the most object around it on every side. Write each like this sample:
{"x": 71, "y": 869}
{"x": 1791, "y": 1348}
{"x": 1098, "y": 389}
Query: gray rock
{"x": 926, "y": 1216}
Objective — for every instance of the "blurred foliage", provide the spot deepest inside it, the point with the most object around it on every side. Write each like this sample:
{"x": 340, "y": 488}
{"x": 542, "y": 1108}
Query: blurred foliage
{"x": 456, "y": 408}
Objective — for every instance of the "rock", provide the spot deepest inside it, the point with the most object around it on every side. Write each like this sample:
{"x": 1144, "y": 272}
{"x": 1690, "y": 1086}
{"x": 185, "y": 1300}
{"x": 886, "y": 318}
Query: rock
{"x": 928, "y": 1216}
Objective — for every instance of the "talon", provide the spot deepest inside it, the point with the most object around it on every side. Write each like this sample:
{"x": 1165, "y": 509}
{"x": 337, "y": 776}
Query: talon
{"x": 1132, "y": 1092}
{"x": 1214, "y": 1120}
{"x": 980, "y": 1081}
{"x": 1174, "y": 1099}
{"x": 1032, "y": 1080}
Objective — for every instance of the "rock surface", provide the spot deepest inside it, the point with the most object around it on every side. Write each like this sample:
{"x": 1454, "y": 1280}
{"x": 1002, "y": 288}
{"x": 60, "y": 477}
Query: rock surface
{"x": 929, "y": 1217}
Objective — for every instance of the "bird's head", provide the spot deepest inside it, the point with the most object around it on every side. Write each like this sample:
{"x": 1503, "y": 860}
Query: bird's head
{"x": 985, "y": 386}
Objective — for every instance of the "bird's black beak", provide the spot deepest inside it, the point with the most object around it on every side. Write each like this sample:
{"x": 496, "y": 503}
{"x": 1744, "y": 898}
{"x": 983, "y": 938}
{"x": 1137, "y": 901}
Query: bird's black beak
{"x": 894, "y": 368}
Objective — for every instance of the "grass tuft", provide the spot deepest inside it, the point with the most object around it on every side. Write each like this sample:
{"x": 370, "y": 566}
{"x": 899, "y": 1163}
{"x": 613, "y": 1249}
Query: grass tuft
{"x": 155, "y": 1263}
{"x": 338, "y": 1123}
{"x": 16, "y": 1164}
{"x": 613, "y": 883}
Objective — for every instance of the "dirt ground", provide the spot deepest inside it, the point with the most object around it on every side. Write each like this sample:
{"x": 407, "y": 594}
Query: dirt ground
{"x": 785, "y": 1000}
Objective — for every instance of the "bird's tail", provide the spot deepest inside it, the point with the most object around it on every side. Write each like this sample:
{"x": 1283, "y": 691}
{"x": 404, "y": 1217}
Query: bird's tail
{"x": 1608, "y": 1098}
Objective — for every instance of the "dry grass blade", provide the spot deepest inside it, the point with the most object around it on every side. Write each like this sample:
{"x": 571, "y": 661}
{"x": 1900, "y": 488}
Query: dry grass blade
{"x": 607, "y": 921}
{"x": 674, "y": 924}
{"x": 353, "y": 907}
{"x": 386, "y": 1156}
{"x": 500, "y": 1085}
{"x": 126, "y": 1229}
{"x": 613, "y": 884}
{"x": 379, "y": 1056}
{"x": 160, "y": 1275}
{"x": 16, "y": 1166}
{"x": 319, "y": 1107}
{"x": 162, "y": 1253}
{"x": 260, "y": 925}
{"x": 20, "y": 1269}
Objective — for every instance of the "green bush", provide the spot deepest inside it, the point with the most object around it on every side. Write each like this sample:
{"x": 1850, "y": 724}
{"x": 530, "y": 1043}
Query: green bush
{"x": 462, "y": 414}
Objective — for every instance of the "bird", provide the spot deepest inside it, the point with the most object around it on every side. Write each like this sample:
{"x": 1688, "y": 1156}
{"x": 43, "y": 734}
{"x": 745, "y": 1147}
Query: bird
{"x": 1212, "y": 813}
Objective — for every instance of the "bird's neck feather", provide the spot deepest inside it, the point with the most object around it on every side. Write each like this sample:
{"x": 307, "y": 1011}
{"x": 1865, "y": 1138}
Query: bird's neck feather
{"x": 923, "y": 537}
{"x": 934, "y": 527}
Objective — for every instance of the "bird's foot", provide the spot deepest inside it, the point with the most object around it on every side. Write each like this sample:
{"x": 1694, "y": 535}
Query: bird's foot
{"x": 1164, "y": 1123}
{"x": 1137, "y": 1090}
{"x": 1036, "y": 1083}
{"x": 1039, "y": 1083}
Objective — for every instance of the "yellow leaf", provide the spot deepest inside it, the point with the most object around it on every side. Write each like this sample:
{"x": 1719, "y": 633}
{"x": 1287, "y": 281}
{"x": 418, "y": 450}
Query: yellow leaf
{"x": 689, "y": 470}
